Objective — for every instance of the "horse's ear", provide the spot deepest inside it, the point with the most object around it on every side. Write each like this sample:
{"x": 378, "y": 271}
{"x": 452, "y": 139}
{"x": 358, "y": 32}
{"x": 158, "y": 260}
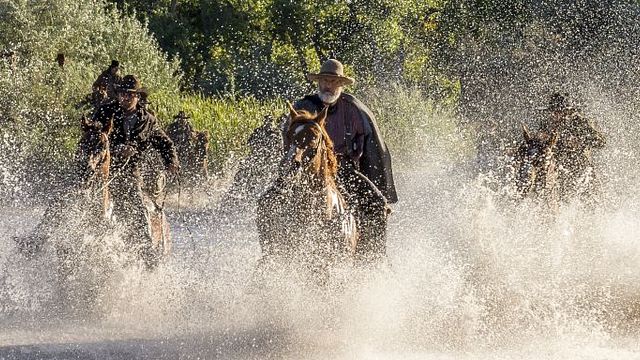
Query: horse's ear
{"x": 85, "y": 125}
{"x": 292, "y": 111}
{"x": 525, "y": 132}
{"x": 554, "y": 139}
{"x": 322, "y": 117}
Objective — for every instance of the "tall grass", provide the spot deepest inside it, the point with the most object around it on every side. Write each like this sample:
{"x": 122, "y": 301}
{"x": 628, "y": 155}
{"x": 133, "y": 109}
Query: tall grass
{"x": 229, "y": 122}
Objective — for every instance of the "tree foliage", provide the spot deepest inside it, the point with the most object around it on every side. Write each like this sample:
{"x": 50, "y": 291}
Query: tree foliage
{"x": 265, "y": 47}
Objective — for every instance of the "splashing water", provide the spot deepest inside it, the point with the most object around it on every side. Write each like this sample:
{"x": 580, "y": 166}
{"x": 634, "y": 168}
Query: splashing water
{"x": 472, "y": 276}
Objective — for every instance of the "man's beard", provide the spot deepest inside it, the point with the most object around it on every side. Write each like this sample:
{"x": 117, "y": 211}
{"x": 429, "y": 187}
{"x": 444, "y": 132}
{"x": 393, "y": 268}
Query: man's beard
{"x": 329, "y": 98}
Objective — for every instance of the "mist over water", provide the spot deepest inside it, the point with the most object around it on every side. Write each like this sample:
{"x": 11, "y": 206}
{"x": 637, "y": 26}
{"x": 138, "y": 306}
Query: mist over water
{"x": 474, "y": 275}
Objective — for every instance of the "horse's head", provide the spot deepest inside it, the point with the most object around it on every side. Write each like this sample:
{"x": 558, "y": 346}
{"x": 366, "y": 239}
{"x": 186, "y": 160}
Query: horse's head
{"x": 309, "y": 148}
{"x": 93, "y": 150}
{"x": 535, "y": 156}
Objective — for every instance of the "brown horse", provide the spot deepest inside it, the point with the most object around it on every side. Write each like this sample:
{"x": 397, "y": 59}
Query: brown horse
{"x": 302, "y": 216}
{"x": 192, "y": 147}
{"x": 535, "y": 166}
{"x": 88, "y": 203}
{"x": 94, "y": 159}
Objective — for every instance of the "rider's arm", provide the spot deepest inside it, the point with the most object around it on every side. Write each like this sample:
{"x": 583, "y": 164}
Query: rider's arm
{"x": 590, "y": 137}
{"x": 594, "y": 138}
{"x": 161, "y": 142}
{"x": 358, "y": 136}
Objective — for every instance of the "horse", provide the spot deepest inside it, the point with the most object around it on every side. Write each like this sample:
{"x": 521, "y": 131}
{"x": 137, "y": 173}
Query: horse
{"x": 192, "y": 147}
{"x": 88, "y": 203}
{"x": 302, "y": 217}
{"x": 94, "y": 159}
{"x": 256, "y": 171}
{"x": 535, "y": 167}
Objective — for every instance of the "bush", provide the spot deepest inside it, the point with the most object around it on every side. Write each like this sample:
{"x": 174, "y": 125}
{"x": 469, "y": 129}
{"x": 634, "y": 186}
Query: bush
{"x": 415, "y": 127}
{"x": 229, "y": 121}
{"x": 38, "y": 98}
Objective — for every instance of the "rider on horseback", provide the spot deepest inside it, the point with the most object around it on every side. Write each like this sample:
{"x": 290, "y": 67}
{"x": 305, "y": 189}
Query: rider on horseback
{"x": 364, "y": 161}
{"x": 135, "y": 133}
{"x": 104, "y": 88}
{"x": 577, "y": 137}
{"x": 191, "y": 146}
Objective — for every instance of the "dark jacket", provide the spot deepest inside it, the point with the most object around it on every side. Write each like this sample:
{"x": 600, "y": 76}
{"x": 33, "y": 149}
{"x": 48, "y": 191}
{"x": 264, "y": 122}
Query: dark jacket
{"x": 106, "y": 83}
{"x": 375, "y": 162}
{"x": 145, "y": 135}
{"x": 577, "y": 137}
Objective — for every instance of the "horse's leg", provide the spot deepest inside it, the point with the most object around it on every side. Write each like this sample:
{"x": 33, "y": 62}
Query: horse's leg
{"x": 267, "y": 213}
{"x": 371, "y": 215}
{"x": 130, "y": 210}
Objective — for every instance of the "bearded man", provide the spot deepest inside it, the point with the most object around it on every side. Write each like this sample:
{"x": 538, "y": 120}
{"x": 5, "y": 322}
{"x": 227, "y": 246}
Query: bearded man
{"x": 364, "y": 162}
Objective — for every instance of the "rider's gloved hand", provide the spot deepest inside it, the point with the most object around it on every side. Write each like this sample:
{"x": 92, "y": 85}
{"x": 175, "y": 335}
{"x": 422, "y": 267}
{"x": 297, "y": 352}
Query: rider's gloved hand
{"x": 125, "y": 151}
{"x": 348, "y": 163}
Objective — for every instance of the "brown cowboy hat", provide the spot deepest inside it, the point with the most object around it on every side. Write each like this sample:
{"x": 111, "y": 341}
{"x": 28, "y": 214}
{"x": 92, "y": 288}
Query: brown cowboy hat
{"x": 332, "y": 69}
{"x": 131, "y": 84}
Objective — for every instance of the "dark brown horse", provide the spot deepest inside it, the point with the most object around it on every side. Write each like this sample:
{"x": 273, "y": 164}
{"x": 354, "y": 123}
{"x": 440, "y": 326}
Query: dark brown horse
{"x": 535, "y": 167}
{"x": 192, "y": 147}
{"x": 94, "y": 159}
{"x": 302, "y": 216}
{"x": 88, "y": 203}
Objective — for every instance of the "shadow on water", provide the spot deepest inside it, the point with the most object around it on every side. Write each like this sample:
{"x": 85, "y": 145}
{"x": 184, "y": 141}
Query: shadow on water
{"x": 240, "y": 344}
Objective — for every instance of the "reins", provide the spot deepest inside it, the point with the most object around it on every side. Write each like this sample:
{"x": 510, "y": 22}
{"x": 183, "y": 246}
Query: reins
{"x": 119, "y": 172}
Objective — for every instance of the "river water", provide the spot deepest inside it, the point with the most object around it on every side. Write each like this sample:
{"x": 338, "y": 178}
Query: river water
{"x": 472, "y": 276}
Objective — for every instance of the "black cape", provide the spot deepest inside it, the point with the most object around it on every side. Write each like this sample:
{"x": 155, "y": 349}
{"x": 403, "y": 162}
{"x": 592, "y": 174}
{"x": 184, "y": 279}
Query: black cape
{"x": 375, "y": 162}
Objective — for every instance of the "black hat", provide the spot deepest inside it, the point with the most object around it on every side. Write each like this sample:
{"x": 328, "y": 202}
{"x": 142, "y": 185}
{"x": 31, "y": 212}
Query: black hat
{"x": 182, "y": 115}
{"x": 114, "y": 64}
{"x": 557, "y": 102}
{"x": 131, "y": 84}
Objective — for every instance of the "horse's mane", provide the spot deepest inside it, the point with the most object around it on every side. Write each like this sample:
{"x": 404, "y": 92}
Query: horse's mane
{"x": 303, "y": 118}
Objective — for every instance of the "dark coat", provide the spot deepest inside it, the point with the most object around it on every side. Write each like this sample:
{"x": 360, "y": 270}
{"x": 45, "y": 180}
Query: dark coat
{"x": 104, "y": 86}
{"x": 375, "y": 162}
{"x": 145, "y": 135}
{"x": 577, "y": 138}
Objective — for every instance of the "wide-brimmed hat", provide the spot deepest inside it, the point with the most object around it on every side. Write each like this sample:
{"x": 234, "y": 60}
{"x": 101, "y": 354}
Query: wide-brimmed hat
{"x": 557, "y": 102}
{"x": 130, "y": 84}
{"x": 333, "y": 69}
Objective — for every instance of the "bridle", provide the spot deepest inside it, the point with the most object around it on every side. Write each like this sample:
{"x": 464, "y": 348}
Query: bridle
{"x": 314, "y": 150}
